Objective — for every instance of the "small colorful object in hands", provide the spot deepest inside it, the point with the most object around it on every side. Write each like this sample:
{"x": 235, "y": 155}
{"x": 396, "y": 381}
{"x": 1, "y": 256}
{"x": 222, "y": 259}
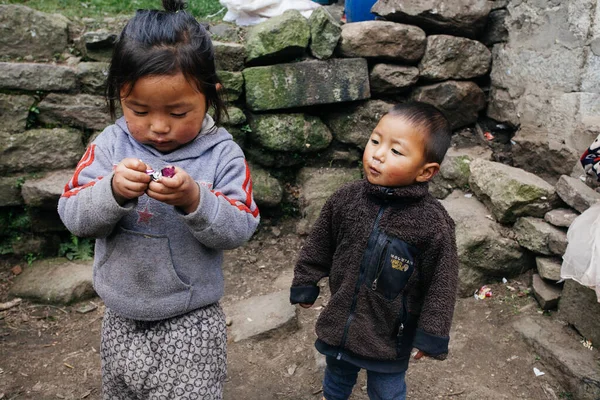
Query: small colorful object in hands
{"x": 168, "y": 172}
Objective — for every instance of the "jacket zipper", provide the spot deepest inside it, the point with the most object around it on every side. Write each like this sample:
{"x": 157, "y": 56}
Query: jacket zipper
{"x": 380, "y": 265}
{"x": 404, "y": 315}
{"x": 359, "y": 282}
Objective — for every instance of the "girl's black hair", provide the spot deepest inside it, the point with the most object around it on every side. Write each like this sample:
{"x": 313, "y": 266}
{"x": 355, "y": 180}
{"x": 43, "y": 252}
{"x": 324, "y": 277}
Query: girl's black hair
{"x": 164, "y": 43}
{"x": 433, "y": 122}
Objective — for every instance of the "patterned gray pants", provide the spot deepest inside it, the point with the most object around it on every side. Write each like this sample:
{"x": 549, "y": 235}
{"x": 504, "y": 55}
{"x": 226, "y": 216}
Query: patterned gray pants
{"x": 178, "y": 358}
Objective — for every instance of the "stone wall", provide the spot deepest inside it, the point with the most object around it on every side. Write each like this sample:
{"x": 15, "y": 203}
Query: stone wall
{"x": 546, "y": 82}
{"x": 303, "y": 96}
{"x": 301, "y": 93}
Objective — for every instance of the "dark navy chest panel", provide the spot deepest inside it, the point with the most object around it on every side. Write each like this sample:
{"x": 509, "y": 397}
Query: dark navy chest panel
{"x": 389, "y": 263}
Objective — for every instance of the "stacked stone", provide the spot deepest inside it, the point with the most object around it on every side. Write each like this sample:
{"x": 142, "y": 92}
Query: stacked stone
{"x": 509, "y": 221}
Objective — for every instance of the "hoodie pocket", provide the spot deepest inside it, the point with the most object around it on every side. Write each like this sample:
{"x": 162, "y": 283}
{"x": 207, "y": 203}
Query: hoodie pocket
{"x": 395, "y": 265}
{"x": 140, "y": 266}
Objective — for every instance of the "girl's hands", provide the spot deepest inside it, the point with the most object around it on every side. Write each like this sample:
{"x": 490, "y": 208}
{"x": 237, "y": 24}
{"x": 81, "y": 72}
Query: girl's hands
{"x": 179, "y": 191}
{"x": 130, "y": 180}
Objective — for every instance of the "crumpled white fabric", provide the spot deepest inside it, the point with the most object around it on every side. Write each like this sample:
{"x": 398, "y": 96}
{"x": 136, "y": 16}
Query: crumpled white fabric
{"x": 581, "y": 261}
{"x": 252, "y": 12}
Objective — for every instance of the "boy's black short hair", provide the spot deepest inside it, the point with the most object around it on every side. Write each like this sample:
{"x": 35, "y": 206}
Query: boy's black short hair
{"x": 165, "y": 43}
{"x": 433, "y": 122}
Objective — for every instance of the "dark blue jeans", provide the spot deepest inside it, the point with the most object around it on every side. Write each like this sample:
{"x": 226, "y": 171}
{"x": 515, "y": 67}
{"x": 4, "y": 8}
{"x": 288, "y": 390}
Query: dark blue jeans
{"x": 340, "y": 377}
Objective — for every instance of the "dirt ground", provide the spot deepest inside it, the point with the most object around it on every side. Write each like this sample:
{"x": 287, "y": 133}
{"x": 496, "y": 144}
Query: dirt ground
{"x": 49, "y": 352}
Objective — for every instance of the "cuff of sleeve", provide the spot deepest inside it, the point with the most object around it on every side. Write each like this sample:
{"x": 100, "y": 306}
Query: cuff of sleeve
{"x": 104, "y": 199}
{"x": 430, "y": 344}
{"x": 304, "y": 294}
{"x": 206, "y": 211}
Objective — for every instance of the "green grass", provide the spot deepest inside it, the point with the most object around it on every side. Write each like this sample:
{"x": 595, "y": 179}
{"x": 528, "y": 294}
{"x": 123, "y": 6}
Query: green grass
{"x": 106, "y": 8}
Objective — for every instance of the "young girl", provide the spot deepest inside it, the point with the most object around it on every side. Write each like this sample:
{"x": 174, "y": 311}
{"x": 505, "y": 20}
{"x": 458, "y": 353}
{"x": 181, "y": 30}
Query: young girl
{"x": 160, "y": 239}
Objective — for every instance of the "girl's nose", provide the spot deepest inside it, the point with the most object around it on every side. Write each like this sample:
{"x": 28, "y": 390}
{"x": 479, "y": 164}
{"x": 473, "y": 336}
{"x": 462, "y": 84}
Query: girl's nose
{"x": 159, "y": 126}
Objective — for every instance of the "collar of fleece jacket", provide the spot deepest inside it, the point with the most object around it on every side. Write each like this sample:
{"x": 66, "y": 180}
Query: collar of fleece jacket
{"x": 413, "y": 192}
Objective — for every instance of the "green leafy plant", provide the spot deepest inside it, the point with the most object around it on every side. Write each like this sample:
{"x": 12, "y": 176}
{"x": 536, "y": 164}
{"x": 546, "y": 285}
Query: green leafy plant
{"x": 30, "y": 258}
{"x": 77, "y": 249}
{"x": 20, "y": 182}
{"x": 246, "y": 129}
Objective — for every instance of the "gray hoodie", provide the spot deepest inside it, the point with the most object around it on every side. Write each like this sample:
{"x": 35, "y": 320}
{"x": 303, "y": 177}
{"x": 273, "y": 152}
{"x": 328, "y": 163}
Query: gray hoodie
{"x": 151, "y": 260}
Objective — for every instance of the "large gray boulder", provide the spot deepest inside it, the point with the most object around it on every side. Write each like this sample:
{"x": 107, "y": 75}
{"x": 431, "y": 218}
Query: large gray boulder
{"x": 452, "y": 57}
{"x": 306, "y": 83}
{"x": 229, "y": 56}
{"x": 278, "y": 39}
{"x": 25, "y": 32}
{"x": 547, "y": 294}
{"x": 561, "y": 217}
{"x": 510, "y": 192}
{"x": 99, "y": 44}
{"x": 260, "y": 316}
{"x": 392, "y": 78}
{"x": 267, "y": 189}
{"x": 549, "y": 267}
{"x": 533, "y": 147}
{"x": 353, "y": 124}
{"x": 32, "y": 77}
{"x": 53, "y": 149}
{"x": 484, "y": 249}
{"x": 92, "y": 77}
{"x": 233, "y": 84}
{"x": 382, "y": 40}
{"x": 459, "y": 101}
{"x": 235, "y": 117}
{"x": 579, "y": 306}
{"x": 465, "y": 17}
{"x": 81, "y": 110}
{"x": 316, "y": 186}
{"x": 325, "y": 33}
{"x": 540, "y": 237}
{"x": 576, "y": 193}
{"x": 14, "y": 110}
{"x": 290, "y": 132}
{"x": 45, "y": 192}
{"x": 455, "y": 170}
{"x": 56, "y": 280}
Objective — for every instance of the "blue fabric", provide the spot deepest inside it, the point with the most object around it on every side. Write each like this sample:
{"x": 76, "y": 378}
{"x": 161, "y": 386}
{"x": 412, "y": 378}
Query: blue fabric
{"x": 340, "y": 378}
{"x": 431, "y": 344}
{"x": 304, "y": 294}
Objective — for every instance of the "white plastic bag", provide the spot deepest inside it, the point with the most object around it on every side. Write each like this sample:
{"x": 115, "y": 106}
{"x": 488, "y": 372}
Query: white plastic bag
{"x": 581, "y": 261}
{"x": 252, "y": 12}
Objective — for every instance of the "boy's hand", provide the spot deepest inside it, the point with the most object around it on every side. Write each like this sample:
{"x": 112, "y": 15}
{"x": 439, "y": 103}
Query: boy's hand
{"x": 305, "y": 305}
{"x": 179, "y": 191}
{"x": 130, "y": 180}
{"x": 440, "y": 357}
{"x": 420, "y": 355}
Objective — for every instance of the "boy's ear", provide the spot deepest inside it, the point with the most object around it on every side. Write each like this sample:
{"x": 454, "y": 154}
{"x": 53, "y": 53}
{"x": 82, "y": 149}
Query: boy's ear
{"x": 428, "y": 172}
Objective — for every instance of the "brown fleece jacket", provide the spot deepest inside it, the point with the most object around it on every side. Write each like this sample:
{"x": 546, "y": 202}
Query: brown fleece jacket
{"x": 391, "y": 258}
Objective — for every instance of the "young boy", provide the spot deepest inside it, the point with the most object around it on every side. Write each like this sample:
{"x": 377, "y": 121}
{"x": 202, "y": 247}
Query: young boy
{"x": 389, "y": 250}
